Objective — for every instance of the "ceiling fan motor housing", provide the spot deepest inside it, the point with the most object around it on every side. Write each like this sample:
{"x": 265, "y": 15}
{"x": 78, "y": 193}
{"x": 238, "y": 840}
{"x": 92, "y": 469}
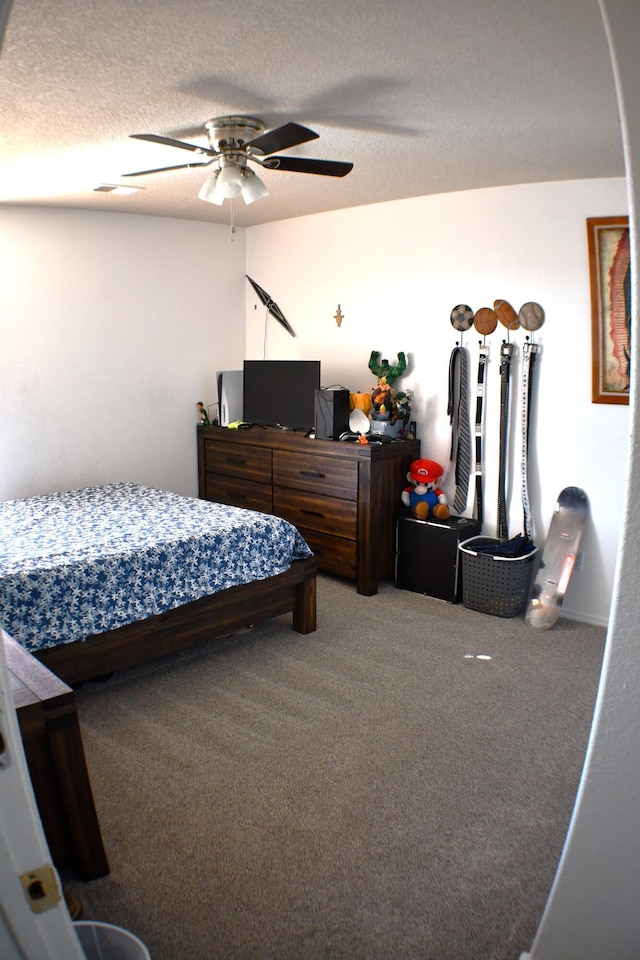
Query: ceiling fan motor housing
{"x": 229, "y": 134}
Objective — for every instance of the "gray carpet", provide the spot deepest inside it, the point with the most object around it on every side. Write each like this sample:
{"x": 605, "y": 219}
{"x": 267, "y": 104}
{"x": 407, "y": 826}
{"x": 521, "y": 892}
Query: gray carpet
{"x": 374, "y": 790}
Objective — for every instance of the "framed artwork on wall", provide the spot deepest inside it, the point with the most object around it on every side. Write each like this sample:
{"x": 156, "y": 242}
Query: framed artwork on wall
{"x": 610, "y": 276}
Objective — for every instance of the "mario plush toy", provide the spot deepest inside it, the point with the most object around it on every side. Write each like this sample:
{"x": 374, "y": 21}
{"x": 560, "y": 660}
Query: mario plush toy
{"x": 423, "y": 497}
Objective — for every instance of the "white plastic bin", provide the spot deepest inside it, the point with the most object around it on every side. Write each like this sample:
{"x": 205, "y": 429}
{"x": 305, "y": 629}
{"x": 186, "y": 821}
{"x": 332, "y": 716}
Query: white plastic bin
{"x": 104, "y": 941}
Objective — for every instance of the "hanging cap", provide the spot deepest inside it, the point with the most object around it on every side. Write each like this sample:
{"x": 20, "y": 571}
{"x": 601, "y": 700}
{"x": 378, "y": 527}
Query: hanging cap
{"x": 462, "y": 317}
{"x": 531, "y": 316}
{"x": 506, "y": 314}
{"x": 486, "y": 320}
{"x": 425, "y": 471}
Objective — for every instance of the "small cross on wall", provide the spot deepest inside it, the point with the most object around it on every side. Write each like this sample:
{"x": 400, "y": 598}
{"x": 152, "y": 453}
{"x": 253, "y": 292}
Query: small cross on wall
{"x": 338, "y": 316}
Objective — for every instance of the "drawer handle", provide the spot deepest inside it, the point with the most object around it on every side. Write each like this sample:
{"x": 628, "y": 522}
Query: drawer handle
{"x": 312, "y": 513}
{"x": 237, "y": 462}
{"x": 310, "y": 473}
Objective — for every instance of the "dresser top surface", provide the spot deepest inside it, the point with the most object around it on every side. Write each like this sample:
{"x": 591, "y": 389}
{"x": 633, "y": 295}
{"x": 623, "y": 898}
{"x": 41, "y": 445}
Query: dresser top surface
{"x": 296, "y": 441}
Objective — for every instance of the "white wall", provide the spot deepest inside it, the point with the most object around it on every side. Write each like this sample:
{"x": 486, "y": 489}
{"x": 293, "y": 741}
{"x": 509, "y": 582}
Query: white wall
{"x": 112, "y": 328}
{"x": 397, "y": 270}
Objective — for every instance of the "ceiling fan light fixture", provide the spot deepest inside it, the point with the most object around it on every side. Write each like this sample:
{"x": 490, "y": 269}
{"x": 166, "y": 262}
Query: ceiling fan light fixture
{"x": 252, "y": 187}
{"x": 230, "y": 181}
{"x": 210, "y": 191}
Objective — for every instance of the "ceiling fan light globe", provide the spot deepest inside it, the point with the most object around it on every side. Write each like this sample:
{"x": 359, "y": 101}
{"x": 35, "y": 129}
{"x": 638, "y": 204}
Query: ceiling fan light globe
{"x": 210, "y": 191}
{"x": 253, "y": 188}
{"x": 230, "y": 181}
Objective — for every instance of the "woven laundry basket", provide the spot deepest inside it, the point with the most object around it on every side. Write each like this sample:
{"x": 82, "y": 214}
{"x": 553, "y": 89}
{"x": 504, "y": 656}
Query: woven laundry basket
{"x": 492, "y": 584}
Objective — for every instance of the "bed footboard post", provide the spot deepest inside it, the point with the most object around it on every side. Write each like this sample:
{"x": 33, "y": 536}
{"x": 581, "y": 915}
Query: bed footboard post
{"x": 304, "y": 612}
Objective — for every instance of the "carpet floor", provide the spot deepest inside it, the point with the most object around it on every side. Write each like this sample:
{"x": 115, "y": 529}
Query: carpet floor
{"x": 396, "y": 785}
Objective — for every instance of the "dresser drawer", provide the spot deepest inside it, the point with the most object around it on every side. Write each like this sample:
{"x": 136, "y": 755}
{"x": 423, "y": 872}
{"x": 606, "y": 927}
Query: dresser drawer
{"x": 323, "y": 475}
{"x": 252, "y": 496}
{"x": 326, "y": 514}
{"x": 334, "y": 554}
{"x": 239, "y": 460}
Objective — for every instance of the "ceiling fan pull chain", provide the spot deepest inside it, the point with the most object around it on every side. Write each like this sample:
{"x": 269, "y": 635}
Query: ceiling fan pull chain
{"x": 232, "y": 225}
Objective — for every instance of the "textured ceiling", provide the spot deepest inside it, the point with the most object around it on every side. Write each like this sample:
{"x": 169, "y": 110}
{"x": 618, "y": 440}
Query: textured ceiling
{"x": 424, "y": 96}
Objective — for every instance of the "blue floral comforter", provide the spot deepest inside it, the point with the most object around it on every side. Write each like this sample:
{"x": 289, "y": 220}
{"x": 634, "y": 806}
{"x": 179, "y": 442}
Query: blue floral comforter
{"x": 85, "y": 561}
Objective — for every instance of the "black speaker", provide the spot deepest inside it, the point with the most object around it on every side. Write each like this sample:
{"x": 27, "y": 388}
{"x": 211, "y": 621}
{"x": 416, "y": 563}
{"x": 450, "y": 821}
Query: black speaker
{"x": 332, "y": 413}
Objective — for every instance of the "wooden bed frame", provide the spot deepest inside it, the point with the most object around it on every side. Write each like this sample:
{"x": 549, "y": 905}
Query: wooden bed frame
{"x": 293, "y": 591}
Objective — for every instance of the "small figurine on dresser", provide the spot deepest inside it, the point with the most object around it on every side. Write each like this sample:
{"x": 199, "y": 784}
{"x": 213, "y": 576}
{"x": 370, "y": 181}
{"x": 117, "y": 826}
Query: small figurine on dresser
{"x": 381, "y": 399}
{"x": 390, "y": 408}
{"x": 204, "y": 416}
{"x": 423, "y": 496}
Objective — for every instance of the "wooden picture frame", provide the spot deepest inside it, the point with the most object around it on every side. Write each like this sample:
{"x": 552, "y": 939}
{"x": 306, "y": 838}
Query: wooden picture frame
{"x": 610, "y": 277}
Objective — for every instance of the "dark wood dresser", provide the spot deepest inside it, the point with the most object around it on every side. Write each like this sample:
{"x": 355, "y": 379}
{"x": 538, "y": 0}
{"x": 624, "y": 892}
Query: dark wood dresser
{"x": 343, "y": 497}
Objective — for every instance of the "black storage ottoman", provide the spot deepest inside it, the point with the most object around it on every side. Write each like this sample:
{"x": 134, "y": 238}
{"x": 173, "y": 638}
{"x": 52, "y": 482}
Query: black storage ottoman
{"x": 427, "y": 557}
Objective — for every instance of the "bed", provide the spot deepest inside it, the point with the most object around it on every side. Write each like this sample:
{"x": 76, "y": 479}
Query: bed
{"x": 102, "y": 578}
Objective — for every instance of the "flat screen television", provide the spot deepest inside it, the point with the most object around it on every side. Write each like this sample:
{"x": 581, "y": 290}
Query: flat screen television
{"x": 281, "y": 393}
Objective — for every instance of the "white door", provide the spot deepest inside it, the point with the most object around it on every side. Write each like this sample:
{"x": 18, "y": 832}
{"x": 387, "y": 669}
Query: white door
{"x": 34, "y": 920}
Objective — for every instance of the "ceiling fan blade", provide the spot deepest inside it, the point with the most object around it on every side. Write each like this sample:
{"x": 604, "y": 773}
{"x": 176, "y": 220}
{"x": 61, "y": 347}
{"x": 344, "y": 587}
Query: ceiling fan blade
{"x": 155, "y": 138}
{"x": 289, "y": 135}
{"x": 179, "y": 166}
{"x": 325, "y": 168}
